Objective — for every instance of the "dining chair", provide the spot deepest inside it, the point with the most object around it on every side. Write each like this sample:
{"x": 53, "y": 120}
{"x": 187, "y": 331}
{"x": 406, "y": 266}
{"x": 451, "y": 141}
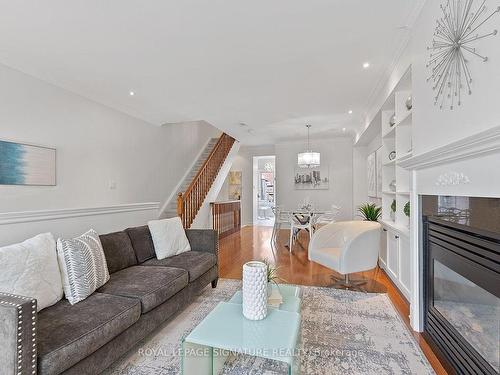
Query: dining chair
{"x": 297, "y": 225}
{"x": 328, "y": 216}
{"x": 280, "y": 217}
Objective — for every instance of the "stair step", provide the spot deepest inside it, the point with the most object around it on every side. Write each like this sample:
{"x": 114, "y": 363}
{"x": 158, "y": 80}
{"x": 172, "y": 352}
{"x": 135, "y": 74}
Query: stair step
{"x": 171, "y": 210}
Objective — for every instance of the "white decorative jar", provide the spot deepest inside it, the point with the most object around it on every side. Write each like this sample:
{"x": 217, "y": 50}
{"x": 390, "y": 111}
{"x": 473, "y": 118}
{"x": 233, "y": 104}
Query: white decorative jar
{"x": 255, "y": 290}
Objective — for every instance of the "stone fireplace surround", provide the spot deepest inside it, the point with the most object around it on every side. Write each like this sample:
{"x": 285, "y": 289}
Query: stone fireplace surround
{"x": 467, "y": 167}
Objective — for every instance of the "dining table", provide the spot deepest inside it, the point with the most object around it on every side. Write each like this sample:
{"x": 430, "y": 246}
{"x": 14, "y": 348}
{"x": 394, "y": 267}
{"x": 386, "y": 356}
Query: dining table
{"x": 303, "y": 216}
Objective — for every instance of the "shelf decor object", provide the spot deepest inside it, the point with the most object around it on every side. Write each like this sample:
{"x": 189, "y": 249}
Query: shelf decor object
{"x": 452, "y": 49}
{"x": 392, "y": 186}
{"x": 392, "y": 120}
{"x": 308, "y": 159}
{"x": 409, "y": 103}
{"x": 255, "y": 290}
{"x": 393, "y": 210}
{"x": 406, "y": 209}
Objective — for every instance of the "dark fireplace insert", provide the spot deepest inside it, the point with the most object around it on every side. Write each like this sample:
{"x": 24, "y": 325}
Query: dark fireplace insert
{"x": 461, "y": 238}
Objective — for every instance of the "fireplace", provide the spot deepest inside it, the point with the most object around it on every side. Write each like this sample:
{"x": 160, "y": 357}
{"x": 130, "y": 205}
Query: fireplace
{"x": 461, "y": 238}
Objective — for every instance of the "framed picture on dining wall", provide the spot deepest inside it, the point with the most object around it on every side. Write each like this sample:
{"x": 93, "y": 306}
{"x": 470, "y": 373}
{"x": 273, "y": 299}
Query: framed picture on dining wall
{"x": 312, "y": 178}
{"x": 371, "y": 166}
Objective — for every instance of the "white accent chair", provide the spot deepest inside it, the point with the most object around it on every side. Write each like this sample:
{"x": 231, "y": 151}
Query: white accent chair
{"x": 347, "y": 247}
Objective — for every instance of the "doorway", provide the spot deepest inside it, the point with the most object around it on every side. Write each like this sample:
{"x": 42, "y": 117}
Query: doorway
{"x": 264, "y": 190}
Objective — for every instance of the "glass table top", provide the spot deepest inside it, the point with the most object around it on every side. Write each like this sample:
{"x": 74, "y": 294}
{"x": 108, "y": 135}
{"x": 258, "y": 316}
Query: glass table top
{"x": 225, "y": 327}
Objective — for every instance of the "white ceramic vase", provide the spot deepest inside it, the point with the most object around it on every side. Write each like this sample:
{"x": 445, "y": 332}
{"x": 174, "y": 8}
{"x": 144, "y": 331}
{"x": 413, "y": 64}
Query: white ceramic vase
{"x": 255, "y": 290}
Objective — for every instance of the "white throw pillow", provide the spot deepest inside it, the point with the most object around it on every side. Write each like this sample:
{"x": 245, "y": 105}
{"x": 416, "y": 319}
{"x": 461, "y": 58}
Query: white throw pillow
{"x": 30, "y": 269}
{"x": 169, "y": 237}
{"x": 83, "y": 265}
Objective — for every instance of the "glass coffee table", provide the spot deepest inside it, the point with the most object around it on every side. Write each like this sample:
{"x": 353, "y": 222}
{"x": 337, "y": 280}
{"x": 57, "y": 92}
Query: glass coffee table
{"x": 226, "y": 331}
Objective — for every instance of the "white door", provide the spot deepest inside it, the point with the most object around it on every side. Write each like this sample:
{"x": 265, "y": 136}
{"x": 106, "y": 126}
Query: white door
{"x": 383, "y": 248}
{"x": 393, "y": 254}
{"x": 405, "y": 264}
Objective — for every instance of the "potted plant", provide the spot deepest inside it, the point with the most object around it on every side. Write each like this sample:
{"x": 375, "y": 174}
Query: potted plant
{"x": 406, "y": 211}
{"x": 393, "y": 210}
{"x": 272, "y": 275}
{"x": 370, "y": 211}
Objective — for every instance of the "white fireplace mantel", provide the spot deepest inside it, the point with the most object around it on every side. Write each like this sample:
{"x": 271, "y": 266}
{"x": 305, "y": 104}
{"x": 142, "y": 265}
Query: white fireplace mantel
{"x": 479, "y": 144}
{"x": 467, "y": 167}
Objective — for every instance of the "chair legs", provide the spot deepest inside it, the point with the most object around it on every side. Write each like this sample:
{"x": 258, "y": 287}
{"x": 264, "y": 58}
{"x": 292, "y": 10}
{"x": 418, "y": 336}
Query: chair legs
{"x": 346, "y": 283}
{"x": 290, "y": 242}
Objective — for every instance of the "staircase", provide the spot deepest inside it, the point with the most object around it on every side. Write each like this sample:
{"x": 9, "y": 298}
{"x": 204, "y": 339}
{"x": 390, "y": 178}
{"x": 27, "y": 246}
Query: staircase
{"x": 171, "y": 210}
{"x": 193, "y": 191}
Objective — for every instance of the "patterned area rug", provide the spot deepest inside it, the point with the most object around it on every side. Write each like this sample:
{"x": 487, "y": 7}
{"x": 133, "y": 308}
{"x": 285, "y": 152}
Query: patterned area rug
{"x": 343, "y": 332}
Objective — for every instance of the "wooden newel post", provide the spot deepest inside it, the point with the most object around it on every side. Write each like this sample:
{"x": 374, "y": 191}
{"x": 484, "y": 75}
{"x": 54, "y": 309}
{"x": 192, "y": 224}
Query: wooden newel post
{"x": 180, "y": 205}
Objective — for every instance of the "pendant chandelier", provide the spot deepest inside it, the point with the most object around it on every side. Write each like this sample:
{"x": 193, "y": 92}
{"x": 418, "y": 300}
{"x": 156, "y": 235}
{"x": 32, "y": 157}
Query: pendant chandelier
{"x": 308, "y": 159}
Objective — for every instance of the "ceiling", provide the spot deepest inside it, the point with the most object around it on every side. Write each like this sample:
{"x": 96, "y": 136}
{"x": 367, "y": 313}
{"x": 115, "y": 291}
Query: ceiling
{"x": 258, "y": 70}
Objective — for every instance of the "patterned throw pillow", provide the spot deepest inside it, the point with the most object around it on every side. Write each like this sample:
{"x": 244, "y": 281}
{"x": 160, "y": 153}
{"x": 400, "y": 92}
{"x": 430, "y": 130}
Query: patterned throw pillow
{"x": 83, "y": 265}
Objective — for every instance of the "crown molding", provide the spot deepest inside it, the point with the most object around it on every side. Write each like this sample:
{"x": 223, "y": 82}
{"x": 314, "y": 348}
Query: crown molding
{"x": 482, "y": 143}
{"x": 43, "y": 215}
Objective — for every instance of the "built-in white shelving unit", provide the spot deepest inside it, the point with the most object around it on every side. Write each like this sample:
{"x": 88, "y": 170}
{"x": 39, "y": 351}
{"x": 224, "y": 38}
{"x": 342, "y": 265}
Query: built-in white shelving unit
{"x": 395, "y": 251}
{"x": 395, "y": 256}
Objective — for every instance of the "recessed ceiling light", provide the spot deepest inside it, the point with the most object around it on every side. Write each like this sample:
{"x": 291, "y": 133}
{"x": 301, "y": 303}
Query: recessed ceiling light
{"x": 131, "y": 93}
{"x": 366, "y": 65}
{"x": 350, "y": 111}
{"x": 343, "y": 129}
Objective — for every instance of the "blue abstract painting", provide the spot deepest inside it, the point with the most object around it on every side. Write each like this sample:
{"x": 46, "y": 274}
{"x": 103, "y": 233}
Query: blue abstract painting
{"x": 22, "y": 164}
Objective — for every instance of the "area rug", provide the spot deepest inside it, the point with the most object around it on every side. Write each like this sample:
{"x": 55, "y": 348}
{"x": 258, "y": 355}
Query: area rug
{"x": 343, "y": 332}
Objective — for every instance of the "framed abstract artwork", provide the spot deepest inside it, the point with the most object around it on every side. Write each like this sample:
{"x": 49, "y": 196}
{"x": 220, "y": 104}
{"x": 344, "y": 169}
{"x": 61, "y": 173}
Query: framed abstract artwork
{"x": 378, "y": 162}
{"x": 235, "y": 185}
{"x": 235, "y": 178}
{"x": 24, "y": 164}
{"x": 371, "y": 164}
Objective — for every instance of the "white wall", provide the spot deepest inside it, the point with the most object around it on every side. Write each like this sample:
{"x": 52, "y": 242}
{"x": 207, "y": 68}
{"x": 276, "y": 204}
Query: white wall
{"x": 338, "y": 154}
{"x": 244, "y": 162}
{"x": 95, "y": 145}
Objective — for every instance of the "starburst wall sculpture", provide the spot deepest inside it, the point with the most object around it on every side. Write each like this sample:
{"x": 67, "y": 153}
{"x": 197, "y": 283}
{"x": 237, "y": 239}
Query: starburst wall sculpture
{"x": 452, "y": 45}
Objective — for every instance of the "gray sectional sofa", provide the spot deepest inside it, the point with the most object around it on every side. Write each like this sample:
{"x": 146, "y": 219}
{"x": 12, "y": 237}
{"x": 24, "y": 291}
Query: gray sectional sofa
{"x": 143, "y": 292}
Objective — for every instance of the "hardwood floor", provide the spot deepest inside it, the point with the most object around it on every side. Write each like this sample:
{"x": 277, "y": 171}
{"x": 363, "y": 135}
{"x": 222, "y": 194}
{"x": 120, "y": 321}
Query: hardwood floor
{"x": 253, "y": 242}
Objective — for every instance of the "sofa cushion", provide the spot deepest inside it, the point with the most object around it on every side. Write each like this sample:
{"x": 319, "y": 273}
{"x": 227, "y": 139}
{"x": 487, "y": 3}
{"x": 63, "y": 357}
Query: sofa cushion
{"x": 31, "y": 269}
{"x": 196, "y": 263}
{"x": 151, "y": 285}
{"x": 83, "y": 265}
{"x": 68, "y": 333}
{"x": 118, "y": 250}
{"x": 169, "y": 237}
{"x": 142, "y": 242}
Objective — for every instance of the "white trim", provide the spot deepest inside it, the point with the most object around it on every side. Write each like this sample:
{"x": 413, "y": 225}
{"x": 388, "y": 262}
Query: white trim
{"x": 416, "y": 251}
{"x": 181, "y": 180}
{"x": 485, "y": 142}
{"x": 394, "y": 278}
{"x": 43, "y": 215}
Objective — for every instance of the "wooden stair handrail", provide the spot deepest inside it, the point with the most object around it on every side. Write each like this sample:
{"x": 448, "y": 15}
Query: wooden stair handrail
{"x": 189, "y": 202}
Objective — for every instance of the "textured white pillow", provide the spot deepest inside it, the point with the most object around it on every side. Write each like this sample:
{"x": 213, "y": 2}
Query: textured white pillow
{"x": 169, "y": 237}
{"x": 30, "y": 269}
{"x": 83, "y": 265}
